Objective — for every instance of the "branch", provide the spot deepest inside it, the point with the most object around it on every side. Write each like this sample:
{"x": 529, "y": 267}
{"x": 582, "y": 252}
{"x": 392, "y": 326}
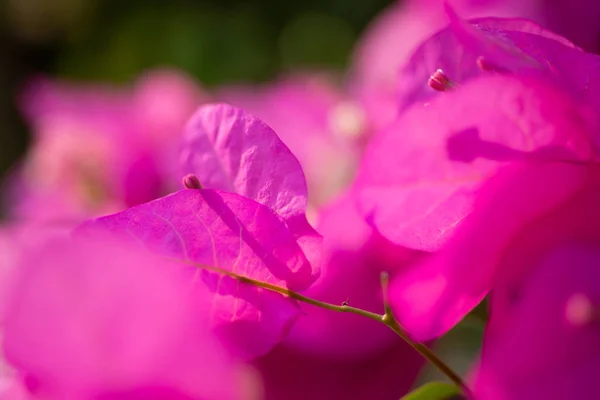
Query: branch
{"x": 387, "y": 318}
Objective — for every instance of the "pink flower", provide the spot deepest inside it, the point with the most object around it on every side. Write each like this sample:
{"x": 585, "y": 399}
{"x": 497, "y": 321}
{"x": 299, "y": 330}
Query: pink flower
{"x": 228, "y": 149}
{"x": 549, "y": 345}
{"x": 354, "y": 255}
{"x": 232, "y": 233}
{"x": 341, "y": 355}
{"x": 381, "y": 375}
{"x": 100, "y": 149}
{"x": 321, "y": 125}
{"x": 254, "y": 225}
{"x": 468, "y": 49}
{"x": 393, "y": 37}
{"x": 96, "y": 319}
{"x": 462, "y": 174}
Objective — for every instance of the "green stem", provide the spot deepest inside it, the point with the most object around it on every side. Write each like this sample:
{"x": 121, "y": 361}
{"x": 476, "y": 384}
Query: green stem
{"x": 387, "y": 318}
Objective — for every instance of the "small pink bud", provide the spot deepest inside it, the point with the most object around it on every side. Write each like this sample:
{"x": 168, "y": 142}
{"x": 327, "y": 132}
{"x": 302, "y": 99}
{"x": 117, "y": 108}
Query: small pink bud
{"x": 191, "y": 181}
{"x": 439, "y": 81}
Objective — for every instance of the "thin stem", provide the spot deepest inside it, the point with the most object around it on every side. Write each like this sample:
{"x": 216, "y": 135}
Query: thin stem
{"x": 429, "y": 356}
{"x": 387, "y": 318}
{"x": 287, "y": 292}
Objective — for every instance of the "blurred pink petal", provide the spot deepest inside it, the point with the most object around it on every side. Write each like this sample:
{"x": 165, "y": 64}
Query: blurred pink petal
{"x": 435, "y": 295}
{"x": 383, "y": 375}
{"x": 99, "y": 149}
{"x": 95, "y": 319}
{"x": 393, "y": 36}
{"x": 573, "y": 221}
{"x": 550, "y": 346}
{"x": 354, "y": 257}
{"x": 231, "y": 232}
{"x": 470, "y": 49}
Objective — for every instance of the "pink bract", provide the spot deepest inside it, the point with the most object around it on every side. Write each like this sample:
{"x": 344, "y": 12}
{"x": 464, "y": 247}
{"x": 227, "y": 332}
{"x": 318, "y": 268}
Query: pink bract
{"x": 354, "y": 255}
{"x": 431, "y": 180}
{"x": 229, "y": 149}
{"x": 316, "y": 120}
{"x": 552, "y": 334}
{"x": 470, "y": 49}
{"x": 99, "y": 149}
{"x": 419, "y": 177}
{"x": 97, "y": 319}
{"x": 384, "y": 374}
{"x": 233, "y": 233}
{"x": 393, "y": 37}
{"x": 573, "y": 221}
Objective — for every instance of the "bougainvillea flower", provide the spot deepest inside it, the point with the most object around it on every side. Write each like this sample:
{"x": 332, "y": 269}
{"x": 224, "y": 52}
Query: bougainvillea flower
{"x": 552, "y": 334}
{"x": 16, "y": 241}
{"x": 228, "y": 149}
{"x": 423, "y": 181}
{"x": 512, "y": 46}
{"x": 341, "y": 355}
{"x": 399, "y": 30}
{"x": 227, "y": 231}
{"x": 96, "y": 319}
{"x": 100, "y": 149}
{"x": 573, "y": 221}
{"x": 315, "y": 120}
{"x": 354, "y": 256}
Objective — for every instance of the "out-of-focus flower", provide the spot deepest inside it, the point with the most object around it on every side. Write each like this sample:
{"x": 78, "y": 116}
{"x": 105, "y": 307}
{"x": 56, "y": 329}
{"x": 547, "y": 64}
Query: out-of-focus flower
{"x": 254, "y": 225}
{"x": 99, "y": 149}
{"x": 321, "y": 125}
{"x": 227, "y": 231}
{"x": 393, "y": 37}
{"x": 95, "y": 319}
{"x": 341, "y": 355}
{"x": 380, "y": 375}
{"x": 549, "y": 345}
{"x": 354, "y": 256}
{"x": 464, "y": 173}
{"x": 469, "y": 49}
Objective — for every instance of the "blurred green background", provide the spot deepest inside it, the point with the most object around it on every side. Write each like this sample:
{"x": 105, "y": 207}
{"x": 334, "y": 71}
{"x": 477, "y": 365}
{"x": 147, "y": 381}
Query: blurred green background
{"x": 217, "y": 41}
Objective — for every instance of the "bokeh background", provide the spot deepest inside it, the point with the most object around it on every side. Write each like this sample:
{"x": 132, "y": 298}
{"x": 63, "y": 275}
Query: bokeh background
{"x": 216, "y": 41}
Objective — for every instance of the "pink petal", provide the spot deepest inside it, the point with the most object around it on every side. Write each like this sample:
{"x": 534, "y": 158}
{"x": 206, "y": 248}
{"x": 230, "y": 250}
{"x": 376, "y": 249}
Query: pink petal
{"x": 228, "y": 149}
{"x": 575, "y": 220}
{"x": 420, "y": 177}
{"x": 353, "y": 258}
{"x": 231, "y": 232}
{"x": 552, "y": 335}
{"x": 87, "y": 318}
{"x": 315, "y": 120}
{"x": 435, "y": 295}
{"x": 294, "y": 375}
{"x": 465, "y": 186}
{"x": 93, "y": 152}
{"x": 513, "y": 46}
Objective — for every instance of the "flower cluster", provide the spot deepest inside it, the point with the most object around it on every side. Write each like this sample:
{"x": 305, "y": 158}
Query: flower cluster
{"x": 165, "y": 244}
